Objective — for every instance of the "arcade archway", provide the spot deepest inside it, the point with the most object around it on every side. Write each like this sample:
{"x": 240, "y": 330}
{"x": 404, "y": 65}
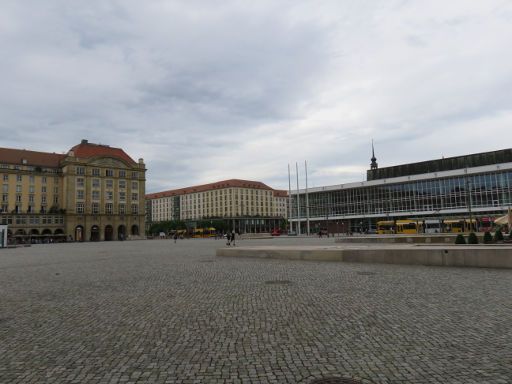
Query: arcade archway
{"x": 79, "y": 233}
{"x": 121, "y": 232}
{"x": 109, "y": 233}
{"x": 95, "y": 233}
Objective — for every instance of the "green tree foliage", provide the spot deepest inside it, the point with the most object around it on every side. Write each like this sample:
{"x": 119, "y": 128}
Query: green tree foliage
{"x": 498, "y": 236}
{"x": 472, "y": 238}
{"x": 487, "y": 238}
{"x": 460, "y": 239}
{"x": 166, "y": 226}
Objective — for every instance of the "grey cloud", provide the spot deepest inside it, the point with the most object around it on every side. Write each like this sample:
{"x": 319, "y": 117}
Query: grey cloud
{"x": 220, "y": 89}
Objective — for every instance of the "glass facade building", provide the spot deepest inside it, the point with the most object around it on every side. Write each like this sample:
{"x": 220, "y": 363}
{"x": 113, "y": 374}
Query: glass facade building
{"x": 477, "y": 191}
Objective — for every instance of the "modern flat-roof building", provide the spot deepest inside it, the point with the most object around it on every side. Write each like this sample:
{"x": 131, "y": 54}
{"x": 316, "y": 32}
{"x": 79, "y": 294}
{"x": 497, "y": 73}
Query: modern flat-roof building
{"x": 93, "y": 192}
{"x": 477, "y": 185}
{"x": 248, "y": 206}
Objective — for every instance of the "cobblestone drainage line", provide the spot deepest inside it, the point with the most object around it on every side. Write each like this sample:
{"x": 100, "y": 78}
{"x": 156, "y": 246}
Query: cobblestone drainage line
{"x": 335, "y": 380}
{"x": 278, "y": 282}
{"x": 366, "y": 273}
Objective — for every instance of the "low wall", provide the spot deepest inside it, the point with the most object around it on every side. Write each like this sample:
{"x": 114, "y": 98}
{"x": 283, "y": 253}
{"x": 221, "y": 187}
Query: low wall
{"x": 401, "y": 239}
{"x": 452, "y": 256}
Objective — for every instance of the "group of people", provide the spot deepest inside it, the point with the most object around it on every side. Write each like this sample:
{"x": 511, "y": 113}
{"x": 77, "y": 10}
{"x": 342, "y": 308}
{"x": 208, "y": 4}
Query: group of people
{"x": 230, "y": 239}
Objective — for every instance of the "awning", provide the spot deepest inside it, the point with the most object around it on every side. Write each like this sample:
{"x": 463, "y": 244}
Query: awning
{"x": 504, "y": 220}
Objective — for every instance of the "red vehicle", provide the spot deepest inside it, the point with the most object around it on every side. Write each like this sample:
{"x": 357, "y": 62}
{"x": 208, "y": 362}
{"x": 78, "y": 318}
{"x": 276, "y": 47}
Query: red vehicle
{"x": 486, "y": 224}
{"x": 276, "y": 232}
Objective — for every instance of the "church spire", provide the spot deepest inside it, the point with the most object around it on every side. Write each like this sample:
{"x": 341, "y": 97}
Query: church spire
{"x": 374, "y": 164}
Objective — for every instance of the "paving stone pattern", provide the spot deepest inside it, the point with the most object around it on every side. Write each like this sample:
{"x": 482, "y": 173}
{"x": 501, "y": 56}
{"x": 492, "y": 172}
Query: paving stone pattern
{"x": 159, "y": 312}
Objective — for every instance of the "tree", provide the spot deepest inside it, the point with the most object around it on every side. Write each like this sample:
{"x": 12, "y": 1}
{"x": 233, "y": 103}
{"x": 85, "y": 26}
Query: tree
{"x": 498, "y": 236}
{"x": 472, "y": 238}
{"x": 460, "y": 239}
{"x": 487, "y": 238}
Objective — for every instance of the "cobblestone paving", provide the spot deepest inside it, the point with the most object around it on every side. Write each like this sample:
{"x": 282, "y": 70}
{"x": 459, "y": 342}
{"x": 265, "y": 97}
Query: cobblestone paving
{"x": 159, "y": 312}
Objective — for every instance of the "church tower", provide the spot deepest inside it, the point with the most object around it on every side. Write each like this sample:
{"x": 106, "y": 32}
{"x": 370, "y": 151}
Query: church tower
{"x": 374, "y": 164}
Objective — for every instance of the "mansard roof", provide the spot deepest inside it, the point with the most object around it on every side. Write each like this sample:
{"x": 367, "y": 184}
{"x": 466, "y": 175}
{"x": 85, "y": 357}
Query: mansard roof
{"x": 87, "y": 150}
{"x": 232, "y": 183}
{"x": 34, "y": 158}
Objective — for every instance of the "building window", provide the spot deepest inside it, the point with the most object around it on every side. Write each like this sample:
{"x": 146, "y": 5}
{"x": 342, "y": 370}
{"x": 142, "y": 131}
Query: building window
{"x": 95, "y": 183}
{"x": 80, "y": 170}
{"x": 19, "y": 178}
{"x": 95, "y": 208}
{"x": 30, "y": 209}
{"x": 80, "y": 182}
{"x": 43, "y": 179}
{"x": 109, "y": 172}
{"x": 80, "y": 207}
{"x": 80, "y": 194}
{"x": 5, "y": 198}
{"x": 56, "y": 190}
{"x": 109, "y": 195}
{"x": 135, "y": 209}
{"x": 18, "y": 189}
{"x": 135, "y": 196}
{"x": 5, "y": 188}
{"x": 109, "y": 208}
{"x": 109, "y": 183}
{"x": 122, "y": 184}
{"x": 43, "y": 189}
{"x": 31, "y": 198}
{"x": 122, "y": 173}
{"x": 6, "y": 177}
{"x": 31, "y": 179}
{"x": 95, "y": 195}
{"x": 122, "y": 196}
{"x": 18, "y": 198}
{"x": 135, "y": 175}
{"x": 95, "y": 171}
{"x": 122, "y": 209}
{"x": 56, "y": 199}
{"x": 43, "y": 199}
{"x": 135, "y": 185}
{"x": 31, "y": 189}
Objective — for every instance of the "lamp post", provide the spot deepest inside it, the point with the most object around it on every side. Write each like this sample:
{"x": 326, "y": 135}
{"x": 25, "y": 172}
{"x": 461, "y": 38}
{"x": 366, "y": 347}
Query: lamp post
{"x": 468, "y": 196}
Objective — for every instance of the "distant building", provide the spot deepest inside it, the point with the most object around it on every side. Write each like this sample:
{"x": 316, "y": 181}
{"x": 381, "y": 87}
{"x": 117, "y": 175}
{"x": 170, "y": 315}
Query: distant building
{"x": 94, "y": 192}
{"x": 477, "y": 185}
{"x": 247, "y": 206}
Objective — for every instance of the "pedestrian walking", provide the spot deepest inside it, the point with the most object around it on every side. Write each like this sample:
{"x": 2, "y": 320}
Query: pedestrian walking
{"x": 175, "y": 237}
{"x": 233, "y": 238}
{"x": 228, "y": 239}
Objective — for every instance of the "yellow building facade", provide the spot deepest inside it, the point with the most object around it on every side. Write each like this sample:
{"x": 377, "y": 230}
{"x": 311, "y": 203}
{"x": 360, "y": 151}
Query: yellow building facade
{"x": 94, "y": 192}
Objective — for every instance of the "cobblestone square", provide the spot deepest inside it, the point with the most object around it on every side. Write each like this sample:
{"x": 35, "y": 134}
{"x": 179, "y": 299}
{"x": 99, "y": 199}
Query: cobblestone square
{"x": 159, "y": 312}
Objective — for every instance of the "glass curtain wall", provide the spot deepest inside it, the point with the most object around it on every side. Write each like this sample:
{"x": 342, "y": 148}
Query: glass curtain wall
{"x": 490, "y": 190}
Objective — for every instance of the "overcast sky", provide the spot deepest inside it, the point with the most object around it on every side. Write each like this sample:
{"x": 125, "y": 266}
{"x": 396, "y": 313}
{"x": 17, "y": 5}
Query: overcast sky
{"x": 206, "y": 90}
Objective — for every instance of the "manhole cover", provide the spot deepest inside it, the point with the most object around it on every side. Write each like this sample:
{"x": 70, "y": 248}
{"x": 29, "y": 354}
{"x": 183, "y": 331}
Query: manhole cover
{"x": 278, "y": 282}
{"x": 366, "y": 273}
{"x": 335, "y": 380}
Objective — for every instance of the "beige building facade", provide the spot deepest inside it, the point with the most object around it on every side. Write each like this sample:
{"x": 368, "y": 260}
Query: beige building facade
{"x": 92, "y": 193}
{"x": 241, "y": 201}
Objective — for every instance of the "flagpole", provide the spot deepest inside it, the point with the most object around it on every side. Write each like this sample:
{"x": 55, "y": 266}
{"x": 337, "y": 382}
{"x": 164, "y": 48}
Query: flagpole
{"x": 307, "y": 198}
{"x": 298, "y": 199}
{"x": 290, "y": 224}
